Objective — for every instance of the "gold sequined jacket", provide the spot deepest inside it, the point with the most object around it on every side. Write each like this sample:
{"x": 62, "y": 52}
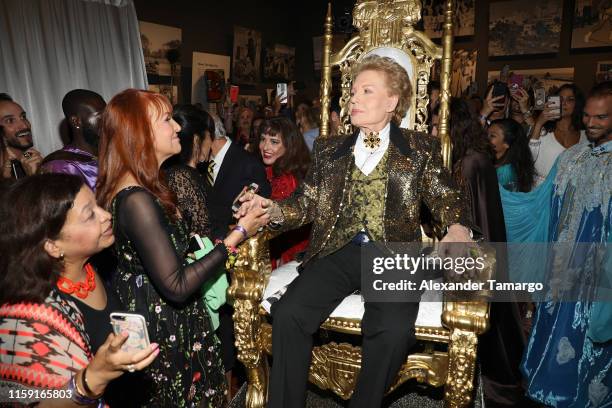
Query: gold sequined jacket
{"x": 415, "y": 173}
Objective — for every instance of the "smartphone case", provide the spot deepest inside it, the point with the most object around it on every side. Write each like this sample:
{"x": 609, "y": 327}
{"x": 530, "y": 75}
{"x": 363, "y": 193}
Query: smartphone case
{"x": 136, "y": 326}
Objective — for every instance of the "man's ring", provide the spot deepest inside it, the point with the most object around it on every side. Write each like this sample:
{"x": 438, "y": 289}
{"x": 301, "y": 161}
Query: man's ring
{"x": 27, "y": 155}
{"x": 131, "y": 368}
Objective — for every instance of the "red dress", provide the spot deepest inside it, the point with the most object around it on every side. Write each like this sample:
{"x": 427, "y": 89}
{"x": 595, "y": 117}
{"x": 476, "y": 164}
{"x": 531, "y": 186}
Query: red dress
{"x": 287, "y": 245}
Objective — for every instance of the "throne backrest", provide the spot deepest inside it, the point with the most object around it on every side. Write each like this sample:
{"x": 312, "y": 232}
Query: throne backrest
{"x": 386, "y": 28}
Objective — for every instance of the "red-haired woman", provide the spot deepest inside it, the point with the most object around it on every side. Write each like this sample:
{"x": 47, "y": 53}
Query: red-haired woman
{"x": 154, "y": 278}
{"x": 286, "y": 156}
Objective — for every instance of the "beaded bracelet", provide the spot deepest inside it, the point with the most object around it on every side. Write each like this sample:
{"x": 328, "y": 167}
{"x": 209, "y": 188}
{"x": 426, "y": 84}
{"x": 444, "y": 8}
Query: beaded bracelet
{"x": 232, "y": 254}
{"x": 79, "y": 398}
{"x": 241, "y": 229}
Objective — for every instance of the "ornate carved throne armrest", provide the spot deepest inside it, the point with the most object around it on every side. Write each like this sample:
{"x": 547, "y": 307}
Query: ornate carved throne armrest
{"x": 249, "y": 278}
{"x": 466, "y": 320}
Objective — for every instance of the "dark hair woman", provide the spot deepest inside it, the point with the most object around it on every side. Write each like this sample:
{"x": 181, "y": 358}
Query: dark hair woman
{"x": 154, "y": 276}
{"x": 287, "y": 158}
{"x": 185, "y": 181}
{"x": 51, "y": 226}
{"x": 474, "y": 171}
{"x": 557, "y": 129}
{"x": 513, "y": 160}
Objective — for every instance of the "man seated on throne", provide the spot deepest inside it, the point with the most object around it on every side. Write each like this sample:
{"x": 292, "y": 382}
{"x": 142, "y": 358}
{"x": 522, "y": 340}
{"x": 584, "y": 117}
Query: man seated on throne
{"x": 361, "y": 188}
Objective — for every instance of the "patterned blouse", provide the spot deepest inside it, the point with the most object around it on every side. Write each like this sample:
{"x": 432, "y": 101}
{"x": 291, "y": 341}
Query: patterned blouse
{"x": 42, "y": 345}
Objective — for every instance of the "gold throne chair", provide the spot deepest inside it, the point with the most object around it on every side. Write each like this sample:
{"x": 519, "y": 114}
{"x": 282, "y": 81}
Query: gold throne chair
{"x": 447, "y": 332}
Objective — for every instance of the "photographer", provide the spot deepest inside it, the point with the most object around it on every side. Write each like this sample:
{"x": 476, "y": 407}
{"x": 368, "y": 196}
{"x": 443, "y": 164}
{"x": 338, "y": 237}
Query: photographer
{"x": 495, "y": 105}
{"x": 557, "y": 129}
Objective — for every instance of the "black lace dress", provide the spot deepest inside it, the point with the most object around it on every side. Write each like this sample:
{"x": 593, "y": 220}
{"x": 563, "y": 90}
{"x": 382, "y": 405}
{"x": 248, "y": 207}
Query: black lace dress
{"x": 188, "y": 185}
{"x": 153, "y": 279}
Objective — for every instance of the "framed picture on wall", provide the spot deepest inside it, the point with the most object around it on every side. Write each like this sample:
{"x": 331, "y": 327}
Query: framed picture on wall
{"x": 592, "y": 25}
{"x": 246, "y": 63}
{"x": 169, "y": 91}
{"x": 208, "y": 75}
{"x": 279, "y": 63}
{"x": 463, "y": 72}
{"x": 604, "y": 71}
{"x": 433, "y": 17}
{"x": 522, "y": 27}
{"x": 550, "y": 78}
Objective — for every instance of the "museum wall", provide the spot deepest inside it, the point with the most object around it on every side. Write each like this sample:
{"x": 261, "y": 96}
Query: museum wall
{"x": 208, "y": 27}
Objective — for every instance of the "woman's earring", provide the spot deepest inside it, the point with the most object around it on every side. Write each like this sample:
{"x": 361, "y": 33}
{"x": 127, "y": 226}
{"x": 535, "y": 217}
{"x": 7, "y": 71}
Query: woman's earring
{"x": 61, "y": 257}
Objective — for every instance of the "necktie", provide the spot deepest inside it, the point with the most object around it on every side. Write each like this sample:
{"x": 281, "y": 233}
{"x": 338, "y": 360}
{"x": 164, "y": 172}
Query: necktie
{"x": 372, "y": 141}
{"x": 210, "y": 173}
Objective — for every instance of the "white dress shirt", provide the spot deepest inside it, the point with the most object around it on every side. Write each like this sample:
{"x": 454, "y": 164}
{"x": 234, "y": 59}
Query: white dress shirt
{"x": 218, "y": 159}
{"x": 366, "y": 159}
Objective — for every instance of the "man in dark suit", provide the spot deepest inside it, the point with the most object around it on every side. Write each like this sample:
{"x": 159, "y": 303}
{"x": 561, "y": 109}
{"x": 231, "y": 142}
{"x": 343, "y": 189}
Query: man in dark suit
{"x": 361, "y": 188}
{"x": 229, "y": 169}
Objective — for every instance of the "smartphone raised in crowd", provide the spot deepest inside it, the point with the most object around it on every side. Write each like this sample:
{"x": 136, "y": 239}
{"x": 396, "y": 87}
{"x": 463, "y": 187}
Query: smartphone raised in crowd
{"x": 554, "y": 104}
{"x": 499, "y": 89}
{"x": 281, "y": 92}
{"x": 539, "y": 98}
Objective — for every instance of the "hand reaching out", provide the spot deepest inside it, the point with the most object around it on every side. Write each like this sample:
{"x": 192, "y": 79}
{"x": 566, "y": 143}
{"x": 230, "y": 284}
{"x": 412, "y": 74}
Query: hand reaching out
{"x": 250, "y": 201}
{"x": 111, "y": 362}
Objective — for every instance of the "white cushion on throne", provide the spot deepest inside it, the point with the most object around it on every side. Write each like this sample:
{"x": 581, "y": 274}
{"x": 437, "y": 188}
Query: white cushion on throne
{"x": 352, "y": 307}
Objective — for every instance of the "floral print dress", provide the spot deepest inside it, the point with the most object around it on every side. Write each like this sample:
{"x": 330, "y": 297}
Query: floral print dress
{"x": 153, "y": 279}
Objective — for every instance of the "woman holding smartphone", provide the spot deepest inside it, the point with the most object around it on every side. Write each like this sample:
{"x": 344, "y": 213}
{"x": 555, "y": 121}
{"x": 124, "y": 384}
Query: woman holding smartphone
{"x": 154, "y": 278}
{"x": 558, "y": 127}
{"x": 55, "y": 334}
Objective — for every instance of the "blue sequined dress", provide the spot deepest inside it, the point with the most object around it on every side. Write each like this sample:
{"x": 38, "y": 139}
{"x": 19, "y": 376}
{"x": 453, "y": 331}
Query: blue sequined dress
{"x": 568, "y": 361}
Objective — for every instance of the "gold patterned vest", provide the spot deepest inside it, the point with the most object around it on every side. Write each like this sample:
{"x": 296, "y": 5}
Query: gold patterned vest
{"x": 363, "y": 206}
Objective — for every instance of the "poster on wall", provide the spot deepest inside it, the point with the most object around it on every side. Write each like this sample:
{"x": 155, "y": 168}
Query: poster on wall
{"x": 524, "y": 27}
{"x": 169, "y": 91}
{"x": 550, "y": 78}
{"x": 433, "y": 18}
{"x": 463, "y": 72}
{"x": 246, "y": 63}
{"x": 161, "y": 46}
{"x": 592, "y": 26}
{"x": 604, "y": 71}
{"x": 209, "y": 73}
{"x": 252, "y": 101}
{"x": 279, "y": 63}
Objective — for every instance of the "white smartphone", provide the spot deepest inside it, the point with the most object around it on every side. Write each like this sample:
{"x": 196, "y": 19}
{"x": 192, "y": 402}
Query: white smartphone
{"x": 554, "y": 104}
{"x": 539, "y": 99}
{"x": 136, "y": 326}
{"x": 281, "y": 92}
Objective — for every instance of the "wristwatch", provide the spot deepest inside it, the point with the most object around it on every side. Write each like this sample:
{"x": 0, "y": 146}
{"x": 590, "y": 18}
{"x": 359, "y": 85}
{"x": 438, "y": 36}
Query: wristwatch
{"x": 485, "y": 119}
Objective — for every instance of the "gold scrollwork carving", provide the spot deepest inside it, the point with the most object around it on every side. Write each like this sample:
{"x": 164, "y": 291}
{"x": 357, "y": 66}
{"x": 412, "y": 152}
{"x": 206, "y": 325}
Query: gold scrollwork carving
{"x": 462, "y": 359}
{"x": 335, "y": 367}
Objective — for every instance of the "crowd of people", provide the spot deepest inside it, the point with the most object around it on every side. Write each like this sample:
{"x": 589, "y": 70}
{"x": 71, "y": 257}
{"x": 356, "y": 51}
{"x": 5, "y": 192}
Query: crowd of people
{"x": 106, "y": 224}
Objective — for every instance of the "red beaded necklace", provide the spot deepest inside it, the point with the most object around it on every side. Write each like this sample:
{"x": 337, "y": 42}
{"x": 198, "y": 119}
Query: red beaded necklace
{"x": 80, "y": 289}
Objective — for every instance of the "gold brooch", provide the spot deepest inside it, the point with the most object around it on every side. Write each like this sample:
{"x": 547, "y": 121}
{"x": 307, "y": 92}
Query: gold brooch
{"x": 372, "y": 141}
